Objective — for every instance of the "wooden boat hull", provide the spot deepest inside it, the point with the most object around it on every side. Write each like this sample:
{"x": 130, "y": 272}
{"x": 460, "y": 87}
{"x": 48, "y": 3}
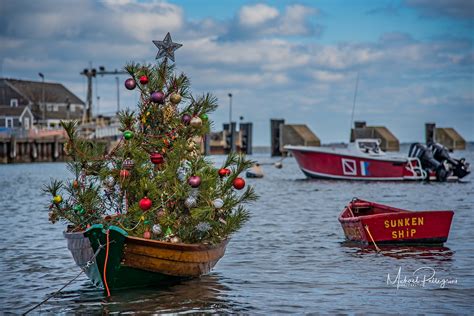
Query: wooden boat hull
{"x": 135, "y": 262}
{"x": 394, "y": 226}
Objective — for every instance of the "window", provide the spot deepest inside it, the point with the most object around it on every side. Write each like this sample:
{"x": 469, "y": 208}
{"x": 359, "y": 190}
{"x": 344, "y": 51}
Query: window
{"x": 9, "y": 122}
{"x": 72, "y": 108}
{"x": 27, "y": 122}
{"x": 49, "y": 107}
{"x": 55, "y": 108}
{"x": 13, "y": 103}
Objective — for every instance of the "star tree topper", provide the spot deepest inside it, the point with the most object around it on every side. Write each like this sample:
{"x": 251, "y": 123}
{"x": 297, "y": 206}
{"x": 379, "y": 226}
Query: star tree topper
{"x": 166, "y": 47}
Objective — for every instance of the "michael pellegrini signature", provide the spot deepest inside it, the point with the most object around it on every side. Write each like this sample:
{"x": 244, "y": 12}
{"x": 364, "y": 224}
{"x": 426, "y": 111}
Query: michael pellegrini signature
{"x": 420, "y": 277}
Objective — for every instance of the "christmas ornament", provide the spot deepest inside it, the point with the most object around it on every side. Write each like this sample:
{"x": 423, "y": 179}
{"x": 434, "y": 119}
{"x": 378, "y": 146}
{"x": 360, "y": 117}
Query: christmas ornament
{"x": 239, "y": 183}
{"x": 181, "y": 174}
{"x": 156, "y": 229}
{"x": 168, "y": 232}
{"x": 169, "y": 113}
{"x": 196, "y": 122}
{"x": 128, "y": 164}
{"x": 158, "y": 97}
{"x": 75, "y": 184}
{"x": 204, "y": 117}
{"x": 203, "y": 227}
{"x": 175, "y": 239}
{"x": 130, "y": 84}
{"x": 147, "y": 235}
{"x": 194, "y": 181}
{"x": 157, "y": 158}
{"x": 190, "y": 202}
{"x": 57, "y": 199}
{"x": 143, "y": 79}
{"x": 186, "y": 118}
{"x": 175, "y": 98}
{"x": 78, "y": 209}
{"x": 166, "y": 47}
{"x": 224, "y": 172}
{"x": 145, "y": 204}
{"x": 128, "y": 135}
{"x": 110, "y": 181}
{"x": 218, "y": 203}
{"x": 124, "y": 174}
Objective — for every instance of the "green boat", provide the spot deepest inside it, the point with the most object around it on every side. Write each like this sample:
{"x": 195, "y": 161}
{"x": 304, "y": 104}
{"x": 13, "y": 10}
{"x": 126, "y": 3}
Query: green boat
{"x": 123, "y": 261}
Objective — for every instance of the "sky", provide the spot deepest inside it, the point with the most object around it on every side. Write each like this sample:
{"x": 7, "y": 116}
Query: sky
{"x": 292, "y": 60}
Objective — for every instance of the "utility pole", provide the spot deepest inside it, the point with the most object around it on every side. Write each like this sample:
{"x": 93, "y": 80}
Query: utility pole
{"x": 92, "y": 73}
{"x": 118, "y": 94}
{"x": 43, "y": 106}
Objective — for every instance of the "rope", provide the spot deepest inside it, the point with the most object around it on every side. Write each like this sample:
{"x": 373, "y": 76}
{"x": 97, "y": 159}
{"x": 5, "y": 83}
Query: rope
{"x": 83, "y": 269}
{"x": 373, "y": 241}
{"x": 105, "y": 264}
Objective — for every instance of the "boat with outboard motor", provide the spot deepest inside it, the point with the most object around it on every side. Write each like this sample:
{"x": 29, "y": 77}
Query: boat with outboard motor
{"x": 365, "y": 160}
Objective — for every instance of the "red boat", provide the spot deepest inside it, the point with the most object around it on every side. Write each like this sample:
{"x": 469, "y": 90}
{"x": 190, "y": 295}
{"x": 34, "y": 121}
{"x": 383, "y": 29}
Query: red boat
{"x": 368, "y": 222}
{"x": 364, "y": 160}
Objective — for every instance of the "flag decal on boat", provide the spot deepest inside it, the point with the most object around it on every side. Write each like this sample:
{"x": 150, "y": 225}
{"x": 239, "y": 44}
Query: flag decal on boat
{"x": 364, "y": 168}
{"x": 349, "y": 167}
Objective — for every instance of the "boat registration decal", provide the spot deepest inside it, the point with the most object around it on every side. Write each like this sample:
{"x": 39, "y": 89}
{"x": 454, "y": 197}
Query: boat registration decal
{"x": 349, "y": 167}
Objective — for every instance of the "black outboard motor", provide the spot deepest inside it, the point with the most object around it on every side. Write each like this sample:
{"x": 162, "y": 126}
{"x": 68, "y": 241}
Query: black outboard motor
{"x": 460, "y": 168}
{"x": 428, "y": 161}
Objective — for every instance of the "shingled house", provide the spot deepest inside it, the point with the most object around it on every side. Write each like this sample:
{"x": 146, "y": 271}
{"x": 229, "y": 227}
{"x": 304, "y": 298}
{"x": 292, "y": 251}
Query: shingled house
{"x": 45, "y": 103}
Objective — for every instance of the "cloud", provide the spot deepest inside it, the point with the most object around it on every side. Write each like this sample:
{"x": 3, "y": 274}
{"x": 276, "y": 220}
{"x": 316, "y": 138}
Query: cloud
{"x": 261, "y": 20}
{"x": 459, "y": 9}
{"x": 270, "y": 58}
{"x": 256, "y": 15}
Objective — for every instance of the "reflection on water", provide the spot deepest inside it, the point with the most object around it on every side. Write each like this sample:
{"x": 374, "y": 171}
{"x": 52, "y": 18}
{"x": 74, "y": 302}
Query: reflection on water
{"x": 435, "y": 253}
{"x": 290, "y": 258}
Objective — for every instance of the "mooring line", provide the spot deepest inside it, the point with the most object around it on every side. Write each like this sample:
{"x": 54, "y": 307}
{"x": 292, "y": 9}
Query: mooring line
{"x": 83, "y": 269}
{"x": 372, "y": 238}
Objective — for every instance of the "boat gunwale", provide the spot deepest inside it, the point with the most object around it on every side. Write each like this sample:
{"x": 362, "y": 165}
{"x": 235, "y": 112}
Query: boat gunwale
{"x": 390, "y": 211}
{"x": 174, "y": 246}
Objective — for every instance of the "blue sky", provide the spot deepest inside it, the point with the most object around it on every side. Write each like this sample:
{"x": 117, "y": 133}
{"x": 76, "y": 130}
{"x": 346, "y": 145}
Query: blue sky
{"x": 296, "y": 60}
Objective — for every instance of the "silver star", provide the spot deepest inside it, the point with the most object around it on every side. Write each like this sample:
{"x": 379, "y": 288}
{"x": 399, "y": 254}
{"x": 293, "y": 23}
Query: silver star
{"x": 166, "y": 47}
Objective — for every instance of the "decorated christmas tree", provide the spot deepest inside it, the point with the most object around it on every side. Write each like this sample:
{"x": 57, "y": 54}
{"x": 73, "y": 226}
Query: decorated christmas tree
{"x": 155, "y": 183}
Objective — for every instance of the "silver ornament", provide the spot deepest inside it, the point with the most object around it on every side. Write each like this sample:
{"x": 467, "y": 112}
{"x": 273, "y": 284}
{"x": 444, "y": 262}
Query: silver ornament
{"x": 190, "y": 202}
{"x": 175, "y": 239}
{"x": 156, "y": 229}
{"x": 218, "y": 203}
{"x": 110, "y": 181}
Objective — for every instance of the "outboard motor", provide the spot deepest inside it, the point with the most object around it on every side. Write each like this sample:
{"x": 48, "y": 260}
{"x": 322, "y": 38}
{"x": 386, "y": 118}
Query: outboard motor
{"x": 428, "y": 161}
{"x": 459, "y": 167}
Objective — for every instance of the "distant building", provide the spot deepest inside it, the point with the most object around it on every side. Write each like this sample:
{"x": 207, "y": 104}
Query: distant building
{"x": 290, "y": 134}
{"x": 446, "y": 136}
{"x": 388, "y": 141}
{"x": 49, "y": 103}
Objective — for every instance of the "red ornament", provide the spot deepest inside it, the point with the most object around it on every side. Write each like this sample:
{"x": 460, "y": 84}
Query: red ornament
{"x": 224, "y": 172}
{"x": 143, "y": 79}
{"x": 145, "y": 204}
{"x": 157, "y": 158}
{"x": 239, "y": 183}
{"x": 147, "y": 235}
{"x": 124, "y": 174}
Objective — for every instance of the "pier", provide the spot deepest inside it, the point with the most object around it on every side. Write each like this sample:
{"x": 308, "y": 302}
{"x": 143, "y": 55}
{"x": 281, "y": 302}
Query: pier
{"x": 24, "y": 149}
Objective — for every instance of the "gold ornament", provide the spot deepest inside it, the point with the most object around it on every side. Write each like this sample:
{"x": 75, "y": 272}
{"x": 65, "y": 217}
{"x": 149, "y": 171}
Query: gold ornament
{"x": 169, "y": 113}
{"x": 57, "y": 199}
{"x": 175, "y": 98}
{"x": 196, "y": 122}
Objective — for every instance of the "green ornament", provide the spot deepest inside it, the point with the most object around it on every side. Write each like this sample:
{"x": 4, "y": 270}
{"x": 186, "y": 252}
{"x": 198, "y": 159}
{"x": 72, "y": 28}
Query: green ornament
{"x": 78, "y": 209}
{"x": 147, "y": 222}
{"x": 128, "y": 135}
{"x": 168, "y": 232}
{"x": 204, "y": 117}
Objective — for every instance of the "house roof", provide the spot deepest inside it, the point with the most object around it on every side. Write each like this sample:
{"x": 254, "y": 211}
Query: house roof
{"x": 12, "y": 111}
{"x": 33, "y": 91}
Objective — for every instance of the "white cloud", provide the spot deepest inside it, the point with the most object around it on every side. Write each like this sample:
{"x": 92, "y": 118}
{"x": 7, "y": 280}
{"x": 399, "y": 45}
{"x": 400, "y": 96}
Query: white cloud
{"x": 255, "y": 15}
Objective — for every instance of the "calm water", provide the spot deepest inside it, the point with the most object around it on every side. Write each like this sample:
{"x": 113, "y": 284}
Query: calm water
{"x": 290, "y": 258}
